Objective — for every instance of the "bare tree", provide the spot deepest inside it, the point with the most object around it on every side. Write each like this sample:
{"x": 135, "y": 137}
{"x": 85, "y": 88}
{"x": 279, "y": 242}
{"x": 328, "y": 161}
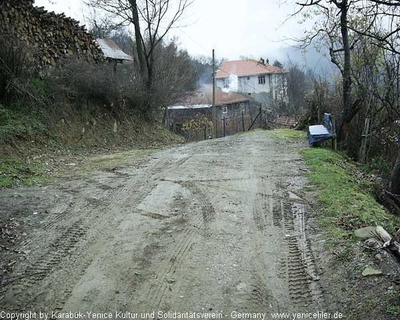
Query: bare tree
{"x": 297, "y": 85}
{"x": 152, "y": 20}
{"x": 359, "y": 25}
{"x": 334, "y": 28}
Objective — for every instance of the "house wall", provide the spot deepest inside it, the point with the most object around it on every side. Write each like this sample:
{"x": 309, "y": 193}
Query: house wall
{"x": 275, "y": 87}
{"x": 235, "y": 117}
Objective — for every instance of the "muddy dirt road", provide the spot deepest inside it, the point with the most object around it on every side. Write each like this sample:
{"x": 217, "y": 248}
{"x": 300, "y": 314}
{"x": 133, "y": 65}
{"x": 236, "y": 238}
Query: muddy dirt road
{"x": 215, "y": 226}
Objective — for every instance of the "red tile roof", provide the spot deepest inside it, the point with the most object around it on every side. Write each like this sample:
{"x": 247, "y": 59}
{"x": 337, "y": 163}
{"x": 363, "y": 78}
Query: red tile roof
{"x": 243, "y": 68}
{"x": 204, "y": 96}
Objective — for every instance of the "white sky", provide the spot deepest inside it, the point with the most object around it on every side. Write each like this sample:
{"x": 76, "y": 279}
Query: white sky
{"x": 233, "y": 28}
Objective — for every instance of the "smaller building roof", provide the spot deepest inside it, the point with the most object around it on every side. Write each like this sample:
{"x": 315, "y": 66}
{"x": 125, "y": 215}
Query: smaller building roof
{"x": 112, "y": 51}
{"x": 202, "y": 98}
{"x": 191, "y": 106}
{"x": 242, "y": 68}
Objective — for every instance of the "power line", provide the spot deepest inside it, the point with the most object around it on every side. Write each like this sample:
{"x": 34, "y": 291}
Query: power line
{"x": 205, "y": 50}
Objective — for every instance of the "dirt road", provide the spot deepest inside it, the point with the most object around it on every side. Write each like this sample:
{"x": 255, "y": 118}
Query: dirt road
{"x": 215, "y": 226}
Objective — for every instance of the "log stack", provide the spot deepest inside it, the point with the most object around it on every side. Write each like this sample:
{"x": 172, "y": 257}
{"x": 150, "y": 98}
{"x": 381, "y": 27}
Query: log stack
{"x": 52, "y": 37}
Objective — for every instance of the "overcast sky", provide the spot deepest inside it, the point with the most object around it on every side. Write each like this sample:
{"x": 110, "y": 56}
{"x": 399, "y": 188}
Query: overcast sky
{"x": 233, "y": 28}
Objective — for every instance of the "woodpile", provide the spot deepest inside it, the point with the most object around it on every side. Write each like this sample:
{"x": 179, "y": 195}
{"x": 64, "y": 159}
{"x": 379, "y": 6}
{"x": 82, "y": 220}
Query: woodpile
{"x": 52, "y": 37}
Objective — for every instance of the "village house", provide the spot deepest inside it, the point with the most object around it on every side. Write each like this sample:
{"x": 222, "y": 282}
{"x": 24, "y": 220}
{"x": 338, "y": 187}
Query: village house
{"x": 258, "y": 79}
{"x": 234, "y": 112}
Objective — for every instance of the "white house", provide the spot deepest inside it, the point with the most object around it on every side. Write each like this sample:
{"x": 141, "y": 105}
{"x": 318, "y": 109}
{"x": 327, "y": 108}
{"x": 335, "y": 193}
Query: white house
{"x": 260, "y": 80}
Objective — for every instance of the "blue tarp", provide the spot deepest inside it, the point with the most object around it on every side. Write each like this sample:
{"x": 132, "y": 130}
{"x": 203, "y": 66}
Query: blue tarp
{"x": 319, "y": 132}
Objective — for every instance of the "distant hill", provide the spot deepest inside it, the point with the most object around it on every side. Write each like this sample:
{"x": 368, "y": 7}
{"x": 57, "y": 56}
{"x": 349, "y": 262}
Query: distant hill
{"x": 318, "y": 62}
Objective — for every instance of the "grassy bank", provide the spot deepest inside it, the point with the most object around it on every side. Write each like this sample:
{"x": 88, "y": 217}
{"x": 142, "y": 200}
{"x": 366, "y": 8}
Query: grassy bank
{"x": 14, "y": 172}
{"x": 345, "y": 195}
{"x": 346, "y": 202}
{"x": 73, "y": 142}
{"x": 289, "y": 134}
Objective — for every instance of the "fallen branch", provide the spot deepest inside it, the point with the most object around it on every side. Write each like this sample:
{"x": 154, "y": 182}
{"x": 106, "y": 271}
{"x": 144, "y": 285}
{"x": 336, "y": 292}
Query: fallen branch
{"x": 388, "y": 199}
{"x": 394, "y": 197}
{"x": 389, "y": 242}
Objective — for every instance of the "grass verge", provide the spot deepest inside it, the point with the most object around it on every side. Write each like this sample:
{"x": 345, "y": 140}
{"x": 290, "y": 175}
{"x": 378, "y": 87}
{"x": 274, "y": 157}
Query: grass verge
{"x": 345, "y": 194}
{"x": 109, "y": 162}
{"x": 289, "y": 134}
{"x": 16, "y": 173}
{"x": 346, "y": 202}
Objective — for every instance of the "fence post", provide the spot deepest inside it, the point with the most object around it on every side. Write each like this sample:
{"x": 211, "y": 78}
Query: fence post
{"x": 365, "y": 135}
{"x": 334, "y": 140}
{"x": 224, "y": 126}
{"x": 242, "y": 121}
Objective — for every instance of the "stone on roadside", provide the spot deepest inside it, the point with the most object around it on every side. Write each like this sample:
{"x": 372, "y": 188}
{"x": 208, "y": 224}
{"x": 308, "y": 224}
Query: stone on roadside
{"x": 365, "y": 233}
{"x": 368, "y": 271}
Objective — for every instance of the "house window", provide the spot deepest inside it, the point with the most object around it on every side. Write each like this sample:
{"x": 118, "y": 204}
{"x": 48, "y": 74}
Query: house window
{"x": 248, "y": 78}
{"x": 224, "y": 109}
{"x": 249, "y": 94}
{"x": 261, "y": 79}
{"x": 226, "y": 83}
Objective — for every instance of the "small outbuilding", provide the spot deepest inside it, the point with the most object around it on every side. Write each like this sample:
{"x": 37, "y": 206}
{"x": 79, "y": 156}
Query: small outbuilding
{"x": 112, "y": 52}
{"x": 234, "y": 112}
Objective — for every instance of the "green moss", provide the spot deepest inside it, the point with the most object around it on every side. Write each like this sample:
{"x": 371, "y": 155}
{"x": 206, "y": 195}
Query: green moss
{"x": 346, "y": 197}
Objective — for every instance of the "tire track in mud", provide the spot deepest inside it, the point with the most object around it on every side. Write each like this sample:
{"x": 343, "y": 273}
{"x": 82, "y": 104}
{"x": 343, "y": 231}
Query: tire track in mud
{"x": 76, "y": 268}
{"x": 54, "y": 270}
{"x": 35, "y": 274}
{"x": 298, "y": 278}
{"x": 99, "y": 234}
{"x": 300, "y": 263}
{"x": 277, "y": 213}
{"x": 296, "y": 265}
{"x": 55, "y": 220}
{"x": 157, "y": 294}
{"x": 295, "y": 270}
{"x": 207, "y": 209}
{"x": 262, "y": 205}
{"x": 260, "y": 296}
{"x": 304, "y": 247}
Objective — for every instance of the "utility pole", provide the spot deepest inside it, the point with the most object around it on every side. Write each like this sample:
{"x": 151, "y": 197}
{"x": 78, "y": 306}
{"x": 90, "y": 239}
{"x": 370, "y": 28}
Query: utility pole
{"x": 213, "y": 97}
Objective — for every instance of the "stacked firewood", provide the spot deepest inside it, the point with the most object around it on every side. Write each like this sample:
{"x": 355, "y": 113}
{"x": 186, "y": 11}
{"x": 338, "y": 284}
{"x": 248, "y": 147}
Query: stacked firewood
{"x": 52, "y": 37}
